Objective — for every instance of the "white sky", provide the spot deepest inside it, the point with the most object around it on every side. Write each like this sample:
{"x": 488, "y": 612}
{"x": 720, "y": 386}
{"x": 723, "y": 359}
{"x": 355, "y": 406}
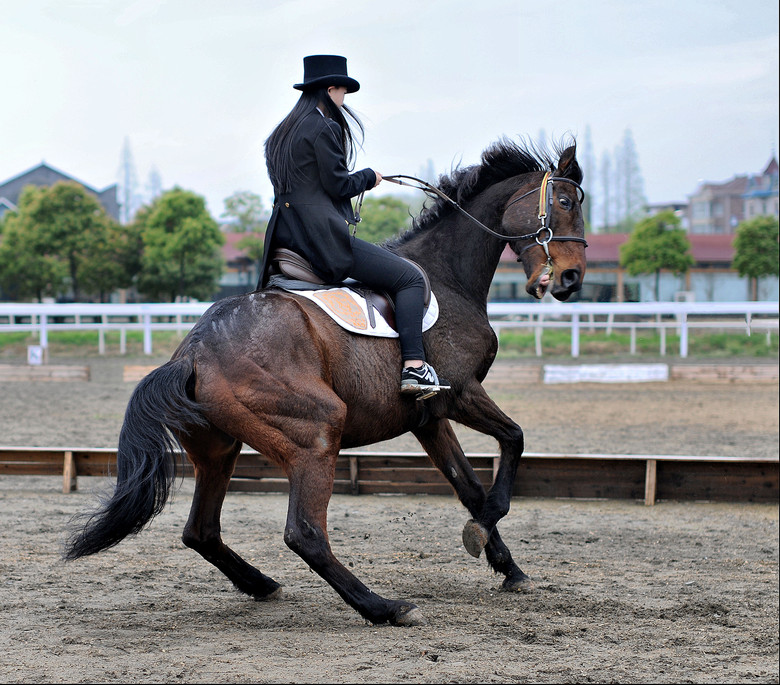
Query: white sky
{"x": 197, "y": 85}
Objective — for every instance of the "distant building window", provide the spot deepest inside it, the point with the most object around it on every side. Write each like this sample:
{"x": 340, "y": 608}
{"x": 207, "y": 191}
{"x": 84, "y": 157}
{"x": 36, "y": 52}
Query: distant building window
{"x": 701, "y": 210}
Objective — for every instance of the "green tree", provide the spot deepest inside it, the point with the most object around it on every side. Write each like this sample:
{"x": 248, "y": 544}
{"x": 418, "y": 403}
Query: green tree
{"x": 182, "y": 241}
{"x": 62, "y": 232}
{"x": 756, "y": 250}
{"x": 26, "y": 272}
{"x": 629, "y": 190}
{"x": 245, "y": 212}
{"x": 382, "y": 217}
{"x": 657, "y": 243}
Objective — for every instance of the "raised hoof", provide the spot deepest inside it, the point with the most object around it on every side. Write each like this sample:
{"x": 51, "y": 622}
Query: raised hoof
{"x": 475, "y": 537}
{"x": 410, "y": 616}
{"x": 524, "y": 584}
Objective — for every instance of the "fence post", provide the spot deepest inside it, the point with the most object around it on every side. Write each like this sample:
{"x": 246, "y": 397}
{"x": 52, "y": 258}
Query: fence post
{"x": 650, "y": 481}
{"x": 44, "y": 336}
{"x": 354, "y": 486}
{"x": 684, "y": 335}
{"x": 69, "y": 474}
{"x": 575, "y": 335}
{"x": 147, "y": 333}
{"x": 538, "y": 336}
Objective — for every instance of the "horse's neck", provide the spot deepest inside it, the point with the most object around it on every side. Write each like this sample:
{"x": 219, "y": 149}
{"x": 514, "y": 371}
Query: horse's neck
{"x": 459, "y": 253}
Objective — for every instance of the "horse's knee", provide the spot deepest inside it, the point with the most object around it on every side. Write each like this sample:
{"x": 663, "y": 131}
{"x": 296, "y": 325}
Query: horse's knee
{"x": 517, "y": 438}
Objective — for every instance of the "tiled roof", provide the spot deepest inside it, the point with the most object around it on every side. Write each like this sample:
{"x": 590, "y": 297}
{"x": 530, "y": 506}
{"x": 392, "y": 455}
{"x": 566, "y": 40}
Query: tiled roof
{"x": 605, "y": 247}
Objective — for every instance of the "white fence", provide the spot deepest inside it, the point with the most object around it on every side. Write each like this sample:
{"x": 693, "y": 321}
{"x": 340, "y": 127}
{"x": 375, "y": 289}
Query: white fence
{"x": 41, "y": 319}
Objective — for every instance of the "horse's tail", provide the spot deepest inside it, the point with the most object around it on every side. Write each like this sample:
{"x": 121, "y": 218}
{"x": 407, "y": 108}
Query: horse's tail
{"x": 146, "y": 459}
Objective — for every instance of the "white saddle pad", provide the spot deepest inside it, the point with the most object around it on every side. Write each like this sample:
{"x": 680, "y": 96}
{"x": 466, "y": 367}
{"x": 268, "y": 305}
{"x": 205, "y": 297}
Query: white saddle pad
{"x": 350, "y": 311}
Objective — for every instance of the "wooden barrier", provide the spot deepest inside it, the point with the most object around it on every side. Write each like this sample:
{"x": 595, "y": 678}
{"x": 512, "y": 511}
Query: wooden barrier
{"x": 584, "y": 476}
{"x": 508, "y": 376}
{"x": 723, "y": 372}
{"x": 44, "y": 372}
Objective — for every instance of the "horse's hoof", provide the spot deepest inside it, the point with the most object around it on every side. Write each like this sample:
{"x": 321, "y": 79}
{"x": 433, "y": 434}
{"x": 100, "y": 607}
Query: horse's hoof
{"x": 410, "y": 616}
{"x": 475, "y": 537}
{"x": 272, "y": 597}
{"x": 523, "y": 584}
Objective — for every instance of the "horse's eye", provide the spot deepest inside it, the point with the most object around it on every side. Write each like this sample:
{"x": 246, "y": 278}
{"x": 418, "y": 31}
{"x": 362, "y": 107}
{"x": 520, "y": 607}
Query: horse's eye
{"x": 565, "y": 202}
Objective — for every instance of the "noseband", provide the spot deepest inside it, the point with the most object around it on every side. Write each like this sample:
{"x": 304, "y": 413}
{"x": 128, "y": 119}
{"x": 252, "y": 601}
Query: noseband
{"x": 545, "y": 204}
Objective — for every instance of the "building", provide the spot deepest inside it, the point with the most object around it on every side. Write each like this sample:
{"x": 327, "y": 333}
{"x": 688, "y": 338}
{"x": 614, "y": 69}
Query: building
{"x": 45, "y": 175}
{"x": 711, "y": 279}
{"x": 718, "y": 208}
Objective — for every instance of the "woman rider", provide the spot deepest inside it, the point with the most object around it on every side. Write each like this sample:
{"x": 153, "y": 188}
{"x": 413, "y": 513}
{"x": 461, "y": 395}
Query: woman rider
{"x": 308, "y": 156}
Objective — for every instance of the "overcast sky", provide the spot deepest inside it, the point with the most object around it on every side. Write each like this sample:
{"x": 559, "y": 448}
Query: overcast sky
{"x": 196, "y": 85}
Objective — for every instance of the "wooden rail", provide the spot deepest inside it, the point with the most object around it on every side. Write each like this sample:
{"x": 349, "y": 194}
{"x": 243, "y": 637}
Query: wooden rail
{"x": 587, "y": 476}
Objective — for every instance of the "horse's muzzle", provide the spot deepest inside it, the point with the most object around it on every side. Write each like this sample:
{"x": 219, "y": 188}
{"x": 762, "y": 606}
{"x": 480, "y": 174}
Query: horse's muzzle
{"x": 569, "y": 283}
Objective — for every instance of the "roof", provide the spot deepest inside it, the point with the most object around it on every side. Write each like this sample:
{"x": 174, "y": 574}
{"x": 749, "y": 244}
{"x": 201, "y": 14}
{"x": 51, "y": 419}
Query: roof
{"x": 231, "y": 250}
{"x": 605, "y": 248}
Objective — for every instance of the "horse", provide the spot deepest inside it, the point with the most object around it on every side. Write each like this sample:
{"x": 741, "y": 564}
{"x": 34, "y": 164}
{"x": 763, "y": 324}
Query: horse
{"x": 271, "y": 370}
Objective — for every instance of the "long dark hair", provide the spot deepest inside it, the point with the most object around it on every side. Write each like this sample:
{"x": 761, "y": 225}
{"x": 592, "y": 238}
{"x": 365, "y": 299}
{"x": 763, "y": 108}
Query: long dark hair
{"x": 278, "y": 146}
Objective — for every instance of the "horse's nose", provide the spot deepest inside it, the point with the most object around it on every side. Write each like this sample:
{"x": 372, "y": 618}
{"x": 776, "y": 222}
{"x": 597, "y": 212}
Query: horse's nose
{"x": 570, "y": 279}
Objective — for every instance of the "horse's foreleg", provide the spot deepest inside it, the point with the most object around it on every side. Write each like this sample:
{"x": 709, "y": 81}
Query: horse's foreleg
{"x": 214, "y": 456}
{"x": 442, "y": 446}
{"x": 479, "y": 412}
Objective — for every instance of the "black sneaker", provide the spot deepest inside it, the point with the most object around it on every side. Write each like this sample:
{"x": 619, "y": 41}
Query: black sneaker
{"x": 422, "y": 380}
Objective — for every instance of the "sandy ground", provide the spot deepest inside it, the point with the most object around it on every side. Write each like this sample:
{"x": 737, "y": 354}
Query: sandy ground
{"x": 678, "y": 592}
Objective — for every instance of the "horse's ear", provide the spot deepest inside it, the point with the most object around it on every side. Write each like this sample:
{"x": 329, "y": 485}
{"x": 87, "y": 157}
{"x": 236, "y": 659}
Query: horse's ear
{"x": 568, "y": 166}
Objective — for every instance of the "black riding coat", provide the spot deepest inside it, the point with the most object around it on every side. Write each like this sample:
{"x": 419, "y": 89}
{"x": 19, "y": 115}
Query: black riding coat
{"x": 314, "y": 218}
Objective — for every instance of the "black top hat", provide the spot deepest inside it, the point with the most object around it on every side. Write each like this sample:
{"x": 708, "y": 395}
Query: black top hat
{"x": 326, "y": 70}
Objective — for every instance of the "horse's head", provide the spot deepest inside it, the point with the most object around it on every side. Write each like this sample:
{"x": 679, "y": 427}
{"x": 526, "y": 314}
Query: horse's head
{"x": 553, "y": 255}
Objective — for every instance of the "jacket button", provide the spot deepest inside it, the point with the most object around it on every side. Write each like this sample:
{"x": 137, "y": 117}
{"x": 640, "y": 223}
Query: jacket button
{"x": 286, "y": 204}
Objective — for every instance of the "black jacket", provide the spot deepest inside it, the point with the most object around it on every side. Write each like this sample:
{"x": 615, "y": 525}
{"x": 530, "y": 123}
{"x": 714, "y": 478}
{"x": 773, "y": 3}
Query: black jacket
{"x": 314, "y": 218}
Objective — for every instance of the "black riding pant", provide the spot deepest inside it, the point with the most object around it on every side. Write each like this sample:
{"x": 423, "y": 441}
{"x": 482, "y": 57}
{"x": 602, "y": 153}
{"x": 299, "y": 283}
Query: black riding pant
{"x": 380, "y": 269}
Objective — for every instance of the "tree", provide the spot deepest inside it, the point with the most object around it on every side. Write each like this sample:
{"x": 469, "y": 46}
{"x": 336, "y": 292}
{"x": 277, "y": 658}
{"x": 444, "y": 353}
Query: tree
{"x": 244, "y": 211}
{"x": 246, "y": 214}
{"x": 382, "y": 217}
{"x": 182, "y": 241}
{"x": 25, "y": 271}
{"x": 757, "y": 252}
{"x": 64, "y": 232}
{"x": 606, "y": 194}
{"x": 128, "y": 184}
{"x": 630, "y": 197}
{"x": 657, "y": 243}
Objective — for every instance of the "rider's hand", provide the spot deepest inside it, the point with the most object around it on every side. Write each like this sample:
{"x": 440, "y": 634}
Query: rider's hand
{"x": 378, "y": 179}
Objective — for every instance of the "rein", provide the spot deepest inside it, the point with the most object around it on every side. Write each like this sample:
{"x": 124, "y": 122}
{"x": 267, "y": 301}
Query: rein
{"x": 545, "y": 201}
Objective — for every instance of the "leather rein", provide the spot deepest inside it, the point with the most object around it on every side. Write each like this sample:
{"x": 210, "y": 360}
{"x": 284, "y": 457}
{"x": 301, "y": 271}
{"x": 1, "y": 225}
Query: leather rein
{"x": 543, "y": 235}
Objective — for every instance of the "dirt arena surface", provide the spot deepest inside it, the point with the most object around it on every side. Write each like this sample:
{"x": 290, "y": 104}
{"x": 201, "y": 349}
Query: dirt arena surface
{"x": 676, "y": 593}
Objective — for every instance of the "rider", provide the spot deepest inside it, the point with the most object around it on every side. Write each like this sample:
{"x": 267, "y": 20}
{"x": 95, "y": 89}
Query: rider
{"x": 308, "y": 156}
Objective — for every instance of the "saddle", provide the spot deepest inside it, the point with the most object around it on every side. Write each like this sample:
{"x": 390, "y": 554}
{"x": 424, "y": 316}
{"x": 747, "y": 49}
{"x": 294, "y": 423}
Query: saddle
{"x": 291, "y": 265}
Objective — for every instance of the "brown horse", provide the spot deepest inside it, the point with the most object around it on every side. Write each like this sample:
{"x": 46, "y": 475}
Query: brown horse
{"x": 271, "y": 370}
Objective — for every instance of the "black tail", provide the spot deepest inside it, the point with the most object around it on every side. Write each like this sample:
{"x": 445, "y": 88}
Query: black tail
{"x": 146, "y": 460}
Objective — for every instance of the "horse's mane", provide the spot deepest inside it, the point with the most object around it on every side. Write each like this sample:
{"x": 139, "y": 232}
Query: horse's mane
{"x": 502, "y": 160}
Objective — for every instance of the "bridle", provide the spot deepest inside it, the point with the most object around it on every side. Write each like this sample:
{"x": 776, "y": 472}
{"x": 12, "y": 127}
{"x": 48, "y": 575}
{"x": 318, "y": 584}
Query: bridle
{"x": 542, "y": 236}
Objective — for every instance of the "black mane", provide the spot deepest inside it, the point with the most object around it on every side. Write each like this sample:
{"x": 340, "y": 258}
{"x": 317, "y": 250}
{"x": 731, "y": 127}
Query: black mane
{"x": 502, "y": 160}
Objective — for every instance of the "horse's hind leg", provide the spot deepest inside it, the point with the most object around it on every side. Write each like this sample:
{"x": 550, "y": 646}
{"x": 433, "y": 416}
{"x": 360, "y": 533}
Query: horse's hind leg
{"x": 442, "y": 446}
{"x": 311, "y": 471}
{"x": 214, "y": 455}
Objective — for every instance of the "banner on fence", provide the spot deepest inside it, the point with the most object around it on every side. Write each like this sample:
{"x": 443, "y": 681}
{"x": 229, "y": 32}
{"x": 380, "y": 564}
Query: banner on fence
{"x": 606, "y": 373}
